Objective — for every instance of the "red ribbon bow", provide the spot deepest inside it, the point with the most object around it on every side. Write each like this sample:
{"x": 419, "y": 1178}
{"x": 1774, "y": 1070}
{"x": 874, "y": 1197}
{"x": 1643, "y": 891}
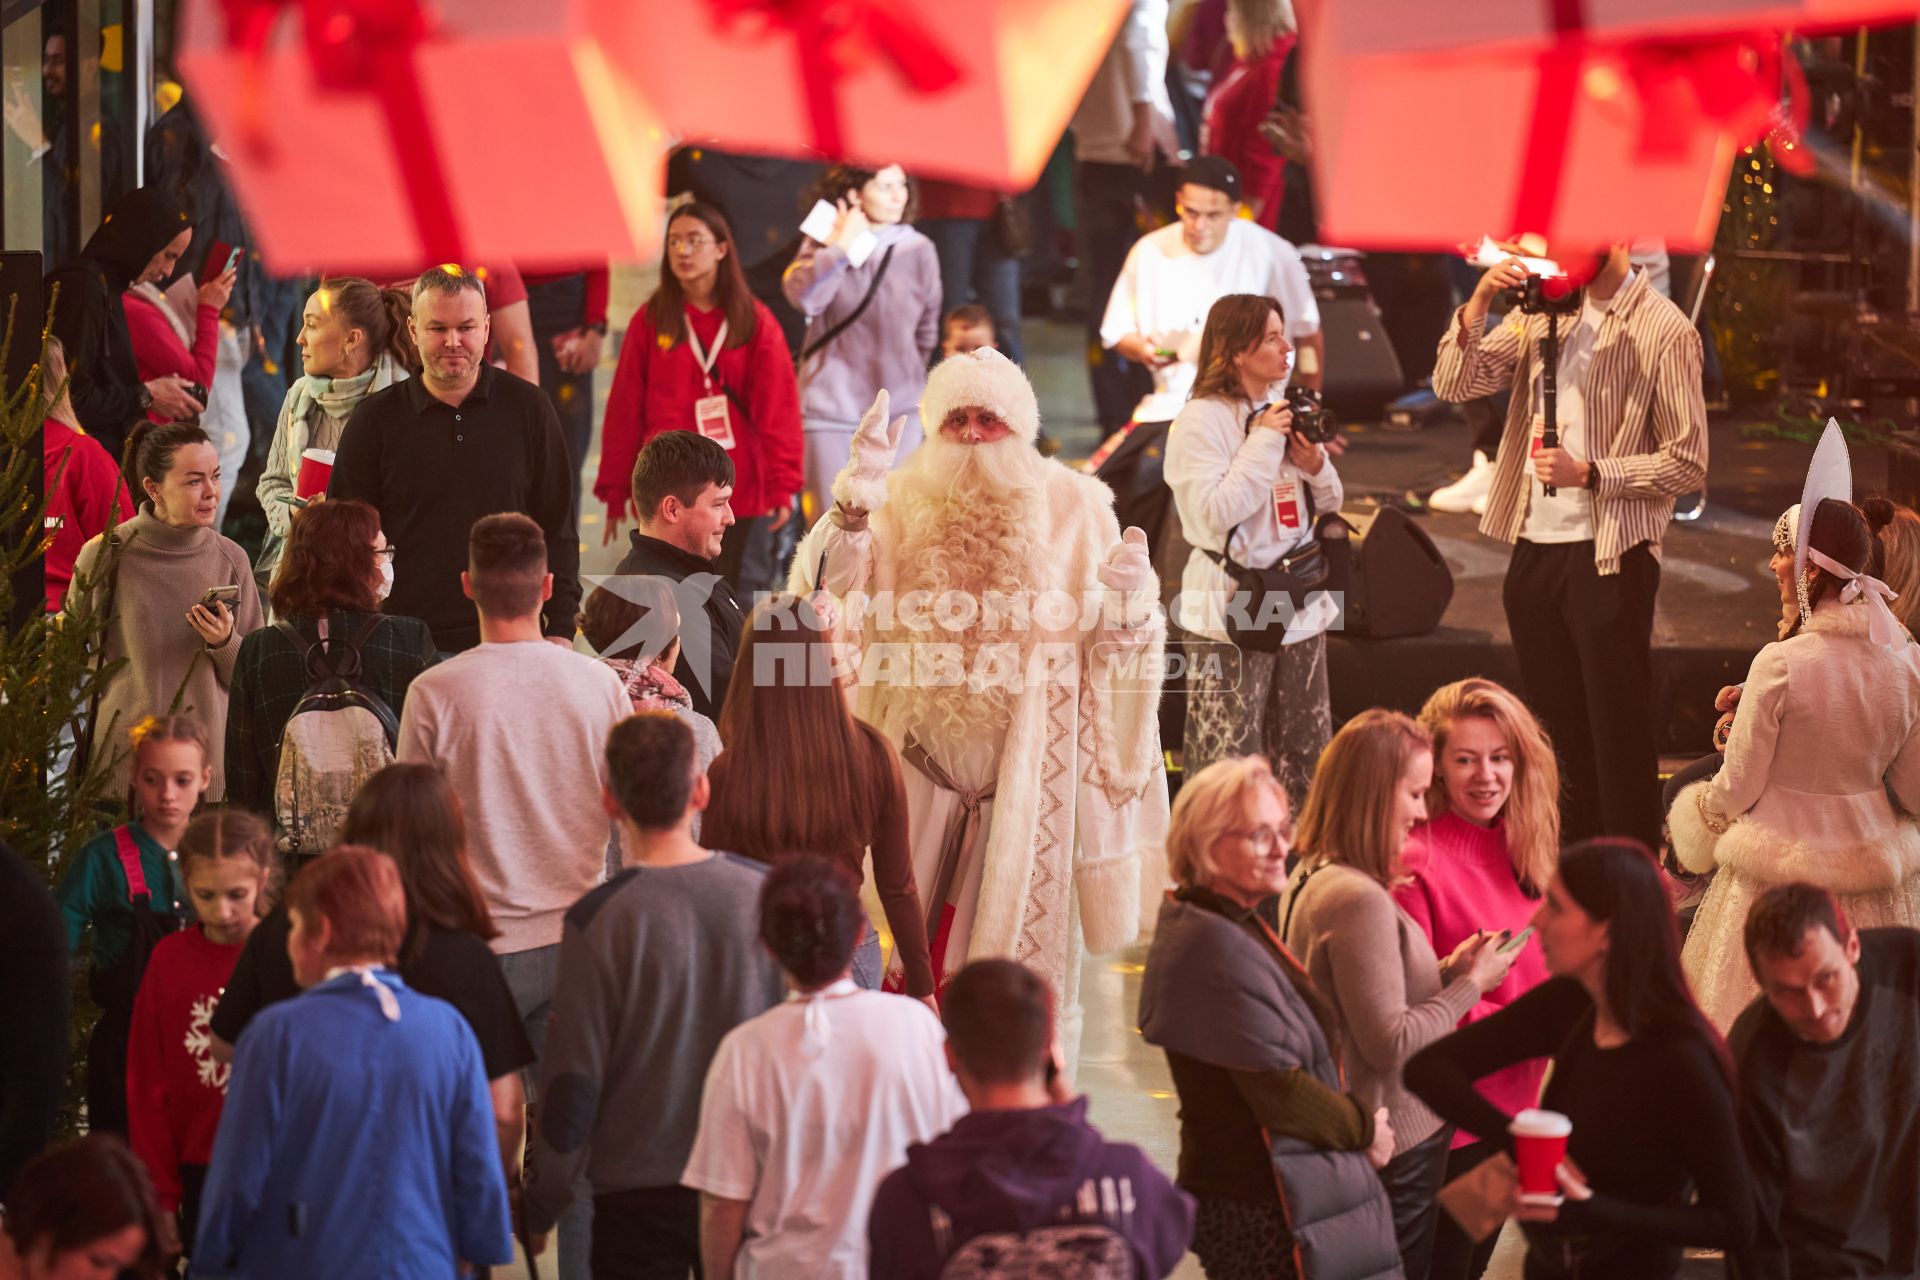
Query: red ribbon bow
{"x": 835, "y": 37}
{"x": 358, "y": 46}
{"x": 1731, "y": 82}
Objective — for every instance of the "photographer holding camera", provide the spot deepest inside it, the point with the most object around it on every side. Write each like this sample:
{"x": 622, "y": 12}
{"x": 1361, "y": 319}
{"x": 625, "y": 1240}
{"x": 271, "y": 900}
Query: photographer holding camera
{"x": 1249, "y": 478}
{"x": 1586, "y": 510}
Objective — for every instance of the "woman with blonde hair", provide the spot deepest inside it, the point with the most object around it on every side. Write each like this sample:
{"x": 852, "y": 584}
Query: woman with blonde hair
{"x": 1391, "y": 995}
{"x": 1479, "y": 865}
{"x": 1265, "y": 1123}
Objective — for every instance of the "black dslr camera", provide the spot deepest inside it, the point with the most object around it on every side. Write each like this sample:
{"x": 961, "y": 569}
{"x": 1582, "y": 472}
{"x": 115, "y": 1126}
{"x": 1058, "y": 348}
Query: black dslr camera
{"x": 1545, "y": 296}
{"x": 1310, "y": 422}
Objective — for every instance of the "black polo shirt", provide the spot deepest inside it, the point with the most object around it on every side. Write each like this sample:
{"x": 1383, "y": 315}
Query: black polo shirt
{"x": 431, "y": 470}
{"x": 709, "y": 638}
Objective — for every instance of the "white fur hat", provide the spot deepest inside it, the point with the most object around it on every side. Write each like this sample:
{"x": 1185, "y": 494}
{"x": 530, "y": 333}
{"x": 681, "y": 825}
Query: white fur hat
{"x": 982, "y": 379}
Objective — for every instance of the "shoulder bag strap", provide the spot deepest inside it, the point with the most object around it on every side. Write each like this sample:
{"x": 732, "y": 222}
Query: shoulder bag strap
{"x": 130, "y": 863}
{"x": 1294, "y": 900}
{"x": 813, "y": 348}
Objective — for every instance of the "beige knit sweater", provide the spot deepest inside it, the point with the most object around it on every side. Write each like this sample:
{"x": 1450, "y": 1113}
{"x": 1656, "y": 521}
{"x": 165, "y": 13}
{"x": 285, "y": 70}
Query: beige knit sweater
{"x": 1375, "y": 964}
{"x": 163, "y": 573}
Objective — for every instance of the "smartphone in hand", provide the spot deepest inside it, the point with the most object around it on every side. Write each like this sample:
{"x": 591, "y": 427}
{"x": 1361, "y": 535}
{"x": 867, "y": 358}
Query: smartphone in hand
{"x": 223, "y": 595}
{"x": 1516, "y": 942}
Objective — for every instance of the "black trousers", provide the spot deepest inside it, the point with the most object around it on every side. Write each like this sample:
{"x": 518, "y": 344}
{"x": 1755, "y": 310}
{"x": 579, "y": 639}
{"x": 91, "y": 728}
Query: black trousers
{"x": 1584, "y": 646}
{"x": 1413, "y": 1180}
{"x": 1455, "y": 1257}
{"x": 107, "y": 1071}
{"x": 648, "y": 1233}
{"x": 1115, "y": 204}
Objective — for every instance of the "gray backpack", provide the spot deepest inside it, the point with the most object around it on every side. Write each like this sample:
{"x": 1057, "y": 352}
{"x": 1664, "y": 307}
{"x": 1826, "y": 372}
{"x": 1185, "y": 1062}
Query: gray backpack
{"x": 339, "y": 735}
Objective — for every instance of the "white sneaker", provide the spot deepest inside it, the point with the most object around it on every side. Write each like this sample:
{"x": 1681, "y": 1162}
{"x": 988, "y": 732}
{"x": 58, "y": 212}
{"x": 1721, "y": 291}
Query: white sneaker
{"x": 1460, "y": 496}
{"x": 1480, "y": 505}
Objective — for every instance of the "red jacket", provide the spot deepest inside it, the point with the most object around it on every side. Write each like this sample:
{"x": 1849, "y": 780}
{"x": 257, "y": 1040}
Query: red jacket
{"x": 158, "y": 351}
{"x": 654, "y": 389}
{"x": 175, "y": 1089}
{"x": 1233, "y": 115}
{"x": 83, "y": 485}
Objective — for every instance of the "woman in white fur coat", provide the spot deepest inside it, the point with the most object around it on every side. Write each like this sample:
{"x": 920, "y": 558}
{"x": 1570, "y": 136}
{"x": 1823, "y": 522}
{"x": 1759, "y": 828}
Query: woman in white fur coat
{"x": 1822, "y": 769}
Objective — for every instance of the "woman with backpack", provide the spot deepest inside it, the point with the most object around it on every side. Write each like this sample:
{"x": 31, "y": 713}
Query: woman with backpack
{"x": 871, "y": 295}
{"x": 702, "y": 354}
{"x": 175, "y": 598}
{"x": 123, "y": 887}
{"x": 337, "y": 569}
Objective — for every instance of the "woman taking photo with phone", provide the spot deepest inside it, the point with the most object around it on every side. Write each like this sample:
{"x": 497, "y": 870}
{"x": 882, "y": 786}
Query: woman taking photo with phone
{"x": 1249, "y": 488}
{"x": 1654, "y": 1162}
{"x": 871, "y": 294}
{"x": 176, "y": 597}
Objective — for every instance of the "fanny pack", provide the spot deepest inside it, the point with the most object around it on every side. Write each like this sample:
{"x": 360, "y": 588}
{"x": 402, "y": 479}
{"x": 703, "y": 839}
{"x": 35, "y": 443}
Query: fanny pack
{"x": 1301, "y": 571}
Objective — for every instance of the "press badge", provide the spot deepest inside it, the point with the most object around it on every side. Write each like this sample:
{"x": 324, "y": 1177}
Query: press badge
{"x": 710, "y": 420}
{"x": 1286, "y": 503}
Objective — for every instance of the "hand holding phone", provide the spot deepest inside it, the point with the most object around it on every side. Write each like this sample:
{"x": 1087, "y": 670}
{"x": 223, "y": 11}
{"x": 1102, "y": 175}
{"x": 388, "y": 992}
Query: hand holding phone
{"x": 221, "y": 595}
{"x": 1516, "y": 942}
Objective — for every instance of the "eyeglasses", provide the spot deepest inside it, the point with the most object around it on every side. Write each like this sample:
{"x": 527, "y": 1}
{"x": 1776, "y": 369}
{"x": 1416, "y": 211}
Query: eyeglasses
{"x": 1265, "y": 839}
{"x": 692, "y": 244}
{"x": 385, "y": 553}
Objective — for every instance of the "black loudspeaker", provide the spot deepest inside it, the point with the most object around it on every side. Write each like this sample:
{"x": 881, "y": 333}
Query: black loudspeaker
{"x": 1400, "y": 585}
{"x": 1363, "y": 373}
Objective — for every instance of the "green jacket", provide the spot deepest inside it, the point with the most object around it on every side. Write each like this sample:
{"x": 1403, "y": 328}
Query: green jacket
{"x": 94, "y": 892}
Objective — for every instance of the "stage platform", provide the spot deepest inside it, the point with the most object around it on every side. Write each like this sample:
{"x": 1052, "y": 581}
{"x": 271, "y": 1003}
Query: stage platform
{"x": 1718, "y": 602}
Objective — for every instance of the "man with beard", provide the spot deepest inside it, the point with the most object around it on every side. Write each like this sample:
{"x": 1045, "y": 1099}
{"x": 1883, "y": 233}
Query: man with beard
{"x": 1011, "y": 649}
{"x": 435, "y": 453}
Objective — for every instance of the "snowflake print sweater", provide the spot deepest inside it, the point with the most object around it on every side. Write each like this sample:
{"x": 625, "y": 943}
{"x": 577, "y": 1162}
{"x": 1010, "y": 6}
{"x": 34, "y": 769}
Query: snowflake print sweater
{"x": 174, "y": 1086}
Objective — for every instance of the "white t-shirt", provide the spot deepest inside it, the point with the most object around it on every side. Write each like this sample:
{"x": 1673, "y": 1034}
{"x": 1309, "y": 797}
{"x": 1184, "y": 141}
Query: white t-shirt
{"x": 1567, "y": 516}
{"x": 807, "y": 1107}
{"x": 1166, "y": 289}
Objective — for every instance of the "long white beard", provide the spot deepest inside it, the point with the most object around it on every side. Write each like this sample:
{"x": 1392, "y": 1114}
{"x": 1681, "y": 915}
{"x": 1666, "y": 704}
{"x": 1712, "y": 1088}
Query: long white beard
{"x": 968, "y": 517}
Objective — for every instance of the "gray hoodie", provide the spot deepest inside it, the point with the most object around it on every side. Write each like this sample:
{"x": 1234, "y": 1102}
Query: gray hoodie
{"x": 888, "y": 346}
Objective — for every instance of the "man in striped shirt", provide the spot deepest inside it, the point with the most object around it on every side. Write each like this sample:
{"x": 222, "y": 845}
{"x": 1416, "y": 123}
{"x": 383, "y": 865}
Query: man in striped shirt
{"x": 1586, "y": 561}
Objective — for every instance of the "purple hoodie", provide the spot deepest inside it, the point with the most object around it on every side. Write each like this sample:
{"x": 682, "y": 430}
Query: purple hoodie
{"x": 1028, "y": 1187}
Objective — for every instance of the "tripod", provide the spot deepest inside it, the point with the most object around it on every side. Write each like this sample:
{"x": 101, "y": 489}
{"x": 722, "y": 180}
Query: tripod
{"x": 1550, "y": 391}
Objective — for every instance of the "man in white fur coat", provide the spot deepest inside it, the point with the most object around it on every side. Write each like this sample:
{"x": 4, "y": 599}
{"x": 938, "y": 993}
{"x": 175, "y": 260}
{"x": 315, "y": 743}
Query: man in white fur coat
{"x": 1009, "y": 643}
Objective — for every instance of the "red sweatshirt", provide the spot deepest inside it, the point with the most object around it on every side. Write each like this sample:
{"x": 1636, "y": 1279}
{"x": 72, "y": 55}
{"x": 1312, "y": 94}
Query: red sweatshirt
{"x": 158, "y": 351}
{"x": 654, "y": 389}
{"x": 1233, "y": 114}
{"x": 82, "y": 486}
{"x": 174, "y": 1087}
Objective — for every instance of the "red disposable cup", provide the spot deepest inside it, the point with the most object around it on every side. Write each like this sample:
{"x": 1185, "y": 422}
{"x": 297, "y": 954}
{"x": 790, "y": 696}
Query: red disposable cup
{"x": 1539, "y": 1145}
{"x": 316, "y": 465}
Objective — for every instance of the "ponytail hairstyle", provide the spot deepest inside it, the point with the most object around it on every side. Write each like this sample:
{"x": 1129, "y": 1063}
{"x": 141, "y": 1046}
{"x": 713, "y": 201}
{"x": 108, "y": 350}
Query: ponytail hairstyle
{"x": 381, "y": 314}
{"x": 1897, "y": 530}
{"x": 233, "y": 833}
{"x": 149, "y": 454}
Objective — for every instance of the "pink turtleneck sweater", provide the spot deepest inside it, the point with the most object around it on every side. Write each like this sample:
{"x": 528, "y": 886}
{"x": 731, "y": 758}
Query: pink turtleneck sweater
{"x": 1462, "y": 881}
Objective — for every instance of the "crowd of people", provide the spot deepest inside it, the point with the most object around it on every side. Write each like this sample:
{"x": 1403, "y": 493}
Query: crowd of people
{"x": 746, "y": 938}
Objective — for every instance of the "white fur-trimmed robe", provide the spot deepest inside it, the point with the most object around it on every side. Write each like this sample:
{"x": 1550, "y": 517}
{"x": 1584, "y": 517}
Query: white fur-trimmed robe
{"x": 1821, "y": 777}
{"x": 1079, "y": 817}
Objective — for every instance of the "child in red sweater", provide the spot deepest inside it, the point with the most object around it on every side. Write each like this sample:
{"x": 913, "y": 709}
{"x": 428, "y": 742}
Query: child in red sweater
{"x": 175, "y": 1087}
